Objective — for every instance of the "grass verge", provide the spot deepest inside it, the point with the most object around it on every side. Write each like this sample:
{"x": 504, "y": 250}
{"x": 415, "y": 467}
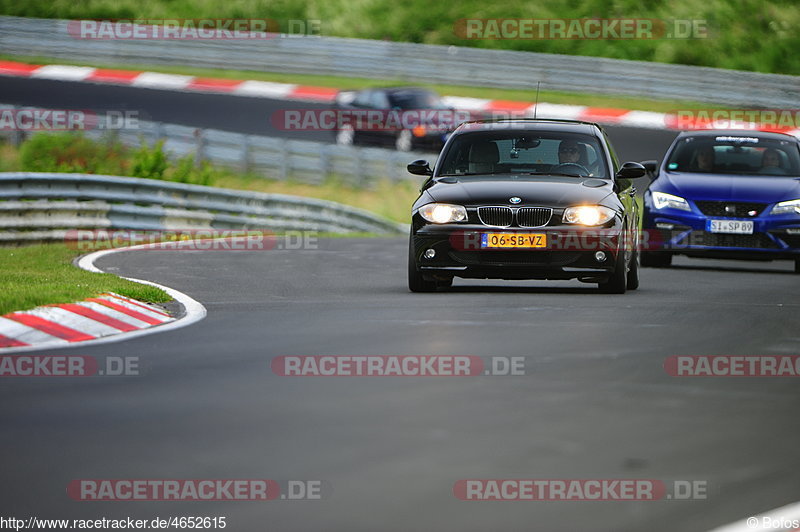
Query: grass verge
{"x": 43, "y": 274}
{"x": 351, "y": 83}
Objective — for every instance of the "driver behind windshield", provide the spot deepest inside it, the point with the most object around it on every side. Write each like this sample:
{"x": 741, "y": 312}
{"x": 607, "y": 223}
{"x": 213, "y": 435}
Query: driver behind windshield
{"x": 573, "y": 153}
{"x": 569, "y": 152}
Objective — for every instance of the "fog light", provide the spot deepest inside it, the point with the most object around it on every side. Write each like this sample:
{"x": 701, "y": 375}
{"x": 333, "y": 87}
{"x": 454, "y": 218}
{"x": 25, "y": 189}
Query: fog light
{"x": 793, "y": 231}
{"x": 600, "y": 256}
{"x": 669, "y": 227}
{"x": 429, "y": 253}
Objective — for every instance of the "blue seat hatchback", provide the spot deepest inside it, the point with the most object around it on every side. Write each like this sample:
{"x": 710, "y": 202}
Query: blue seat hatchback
{"x": 731, "y": 194}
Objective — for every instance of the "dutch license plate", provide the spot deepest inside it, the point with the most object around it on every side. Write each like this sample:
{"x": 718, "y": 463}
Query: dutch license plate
{"x": 513, "y": 240}
{"x": 736, "y": 227}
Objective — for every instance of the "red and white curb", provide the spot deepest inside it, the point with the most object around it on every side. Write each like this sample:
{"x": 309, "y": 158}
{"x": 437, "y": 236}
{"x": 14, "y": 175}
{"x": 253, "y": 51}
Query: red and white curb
{"x": 305, "y": 93}
{"x": 77, "y": 322}
{"x": 106, "y": 318}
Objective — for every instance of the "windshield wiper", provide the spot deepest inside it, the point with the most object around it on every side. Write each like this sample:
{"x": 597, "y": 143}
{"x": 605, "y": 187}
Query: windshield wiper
{"x": 557, "y": 173}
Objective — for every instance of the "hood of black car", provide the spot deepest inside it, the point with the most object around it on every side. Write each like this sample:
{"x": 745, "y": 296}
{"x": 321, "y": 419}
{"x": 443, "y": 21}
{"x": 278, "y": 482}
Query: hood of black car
{"x": 550, "y": 191}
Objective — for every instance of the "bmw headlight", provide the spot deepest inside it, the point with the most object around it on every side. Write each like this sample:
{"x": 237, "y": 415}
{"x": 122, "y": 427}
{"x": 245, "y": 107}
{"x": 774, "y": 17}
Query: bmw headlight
{"x": 787, "y": 207}
{"x": 443, "y": 213}
{"x": 662, "y": 200}
{"x": 588, "y": 215}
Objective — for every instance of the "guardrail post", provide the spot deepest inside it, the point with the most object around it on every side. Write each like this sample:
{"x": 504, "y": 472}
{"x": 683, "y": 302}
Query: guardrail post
{"x": 285, "y": 160}
{"x": 245, "y": 160}
{"x": 199, "y": 134}
{"x": 325, "y": 162}
{"x": 158, "y": 132}
{"x": 18, "y": 137}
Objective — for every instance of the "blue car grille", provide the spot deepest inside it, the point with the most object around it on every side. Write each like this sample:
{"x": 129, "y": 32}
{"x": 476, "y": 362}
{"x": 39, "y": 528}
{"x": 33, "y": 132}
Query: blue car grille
{"x": 721, "y": 240}
{"x": 737, "y": 209}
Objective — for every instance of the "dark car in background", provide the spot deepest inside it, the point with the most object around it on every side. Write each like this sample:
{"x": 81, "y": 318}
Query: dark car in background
{"x": 525, "y": 199}
{"x": 407, "y": 118}
{"x": 724, "y": 194}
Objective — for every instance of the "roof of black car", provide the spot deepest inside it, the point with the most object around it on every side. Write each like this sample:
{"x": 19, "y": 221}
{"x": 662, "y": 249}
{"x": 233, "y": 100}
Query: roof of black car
{"x": 736, "y": 133}
{"x": 550, "y": 124}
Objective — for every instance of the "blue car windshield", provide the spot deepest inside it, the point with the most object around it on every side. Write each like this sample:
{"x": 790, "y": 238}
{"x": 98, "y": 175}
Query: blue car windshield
{"x": 525, "y": 152}
{"x": 736, "y": 155}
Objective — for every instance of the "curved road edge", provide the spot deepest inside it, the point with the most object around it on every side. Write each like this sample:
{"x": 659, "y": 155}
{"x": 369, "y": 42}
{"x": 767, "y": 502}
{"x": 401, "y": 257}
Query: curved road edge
{"x": 194, "y": 311}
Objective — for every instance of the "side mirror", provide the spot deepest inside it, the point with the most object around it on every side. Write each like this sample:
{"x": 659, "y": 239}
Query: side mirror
{"x": 630, "y": 170}
{"x": 651, "y": 167}
{"x": 420, "y": 167}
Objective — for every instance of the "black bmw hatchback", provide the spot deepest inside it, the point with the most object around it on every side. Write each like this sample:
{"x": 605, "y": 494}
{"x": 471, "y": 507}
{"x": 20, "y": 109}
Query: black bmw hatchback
{"x": 525, "y": 199}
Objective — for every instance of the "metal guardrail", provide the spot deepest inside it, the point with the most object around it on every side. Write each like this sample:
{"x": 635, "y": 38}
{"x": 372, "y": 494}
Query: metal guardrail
{"x": 272, "y": 157}
{"x": 37, "y": 207}
{"x": 413, "y": 62}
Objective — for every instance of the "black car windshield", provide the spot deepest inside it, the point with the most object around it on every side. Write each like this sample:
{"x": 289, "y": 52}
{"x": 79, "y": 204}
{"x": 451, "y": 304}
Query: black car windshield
{"x": 735, "y": 154}
{"x": 525, "y": 152}
{"x": 415, "y": 100}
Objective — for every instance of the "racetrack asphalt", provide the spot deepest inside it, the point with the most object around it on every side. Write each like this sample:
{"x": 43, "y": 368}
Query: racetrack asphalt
{"x": 595, "y": 402}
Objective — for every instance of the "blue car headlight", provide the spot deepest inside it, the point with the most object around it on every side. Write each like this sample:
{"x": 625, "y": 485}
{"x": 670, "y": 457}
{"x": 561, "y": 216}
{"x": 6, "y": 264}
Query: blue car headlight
{"x": 662, "y": 200}
{"x": 787, "y": 207}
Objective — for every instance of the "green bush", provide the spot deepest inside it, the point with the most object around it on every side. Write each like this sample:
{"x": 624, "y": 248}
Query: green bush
{"x": 72, "y": 152}
{"x": 149, "y": 162}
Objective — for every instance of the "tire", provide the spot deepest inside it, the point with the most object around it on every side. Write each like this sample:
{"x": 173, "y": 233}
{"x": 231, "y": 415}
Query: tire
{"x": 656, "y": 259}
{"x": 346, "y": 135}
{"x": 618, "y": 282}
{"x": 633, "y": 272}
{"x": 796, "y": 265}
{"x": 403, "y": 141}
{"x": 417, "y": 283}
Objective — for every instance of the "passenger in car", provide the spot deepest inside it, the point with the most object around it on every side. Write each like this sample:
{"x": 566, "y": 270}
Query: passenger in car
{"x": 771, "y": 162}
{"x": 704, "y": 159}
{"x": 483, "y": 156}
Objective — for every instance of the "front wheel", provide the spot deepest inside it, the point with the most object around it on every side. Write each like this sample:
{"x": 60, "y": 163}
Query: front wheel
{"x": 797, "y": 266}
{"x": 417, "y": 283}
{"x": 618, "y": 282}
{"x": 633, "y": 272}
